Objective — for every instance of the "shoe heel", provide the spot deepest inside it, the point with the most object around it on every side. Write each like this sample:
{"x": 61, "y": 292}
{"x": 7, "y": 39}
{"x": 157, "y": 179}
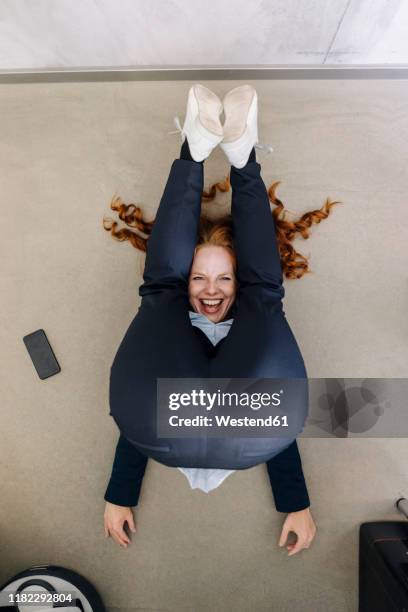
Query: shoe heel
{"x": 240, "y": 107}
{"x": 202, "y": 126}
{"x": 209, "y": 109}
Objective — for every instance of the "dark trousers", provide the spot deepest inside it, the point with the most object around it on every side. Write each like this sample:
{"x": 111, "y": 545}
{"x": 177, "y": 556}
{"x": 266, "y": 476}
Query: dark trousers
{"x": 161, "y": 342}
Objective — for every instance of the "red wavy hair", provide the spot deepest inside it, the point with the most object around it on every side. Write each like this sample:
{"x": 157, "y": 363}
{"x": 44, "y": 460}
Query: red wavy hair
{"x": 218, "y": 231}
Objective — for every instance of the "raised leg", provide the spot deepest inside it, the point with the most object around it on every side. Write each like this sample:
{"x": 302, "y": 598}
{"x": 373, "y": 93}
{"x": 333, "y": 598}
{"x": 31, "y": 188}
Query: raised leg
{"x": 160, "y": 341}
{"x": 255, "y": 243}
{"x": 260, "y": 342}
{"x": 171, "y": 245}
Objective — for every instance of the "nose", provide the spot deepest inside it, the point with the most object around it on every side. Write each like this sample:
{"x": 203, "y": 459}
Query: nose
{"x": 212, "y": 287}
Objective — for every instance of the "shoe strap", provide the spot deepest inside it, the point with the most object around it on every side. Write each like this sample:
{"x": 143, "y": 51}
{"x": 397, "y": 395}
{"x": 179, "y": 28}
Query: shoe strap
{"x": 179, "y": 129}
{"x": 264, "y": 147}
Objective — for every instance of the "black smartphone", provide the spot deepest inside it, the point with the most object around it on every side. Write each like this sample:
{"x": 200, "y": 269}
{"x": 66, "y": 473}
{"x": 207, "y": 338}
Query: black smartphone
{"x": 41, "y": 354}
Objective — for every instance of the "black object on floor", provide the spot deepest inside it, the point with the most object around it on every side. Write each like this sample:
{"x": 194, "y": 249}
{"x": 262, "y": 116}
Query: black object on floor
{"x": 383, "y": 567}
{"x": 50, "y": 584}
{"x": 41, "y": 354}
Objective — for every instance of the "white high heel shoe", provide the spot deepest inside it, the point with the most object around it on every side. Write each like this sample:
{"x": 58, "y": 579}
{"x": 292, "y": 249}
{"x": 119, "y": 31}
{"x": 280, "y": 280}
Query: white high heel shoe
{"x": 241, "y": 125}
{"x": 202, "y": 126}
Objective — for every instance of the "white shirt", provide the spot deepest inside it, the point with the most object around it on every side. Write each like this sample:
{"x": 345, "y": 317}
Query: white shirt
{"x": 203, "y": 478}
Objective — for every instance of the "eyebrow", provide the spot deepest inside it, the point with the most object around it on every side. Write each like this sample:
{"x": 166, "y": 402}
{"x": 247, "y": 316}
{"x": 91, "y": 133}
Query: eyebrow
{"x": 221, "y": 274}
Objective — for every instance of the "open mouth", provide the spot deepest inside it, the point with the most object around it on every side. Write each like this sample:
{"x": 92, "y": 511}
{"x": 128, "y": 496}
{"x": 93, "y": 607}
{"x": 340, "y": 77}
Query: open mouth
{"x": 211, "y": 306}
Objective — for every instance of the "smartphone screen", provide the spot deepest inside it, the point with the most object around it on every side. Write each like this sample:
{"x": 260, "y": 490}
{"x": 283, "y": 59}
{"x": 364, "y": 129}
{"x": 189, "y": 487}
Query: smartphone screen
{"x": 41, "y": 354}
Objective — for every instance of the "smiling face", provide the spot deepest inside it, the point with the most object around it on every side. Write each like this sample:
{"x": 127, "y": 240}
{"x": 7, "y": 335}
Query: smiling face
{"x": 212, "y": 282}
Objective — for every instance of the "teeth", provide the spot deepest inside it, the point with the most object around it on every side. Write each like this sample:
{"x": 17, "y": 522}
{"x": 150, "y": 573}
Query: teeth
{"x": 211, "y": 302}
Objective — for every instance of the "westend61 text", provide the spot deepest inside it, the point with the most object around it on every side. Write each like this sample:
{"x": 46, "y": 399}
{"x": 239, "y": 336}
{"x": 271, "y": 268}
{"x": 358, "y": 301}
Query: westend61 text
{"x": 227, "y": 421}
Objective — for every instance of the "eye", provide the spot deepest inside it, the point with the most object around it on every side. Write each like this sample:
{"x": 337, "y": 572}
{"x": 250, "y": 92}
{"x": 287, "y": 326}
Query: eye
{"x": 226, "y": 278}
{"x": 197, "y": 277}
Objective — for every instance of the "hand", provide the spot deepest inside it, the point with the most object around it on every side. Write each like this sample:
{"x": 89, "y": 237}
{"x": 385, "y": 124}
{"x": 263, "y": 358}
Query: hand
{"x": 302, "y": 524}
{"x": 114, "y": 519}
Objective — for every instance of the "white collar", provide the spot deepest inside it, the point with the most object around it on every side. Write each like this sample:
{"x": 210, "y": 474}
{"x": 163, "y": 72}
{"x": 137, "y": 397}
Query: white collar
{"x": 194, "y": 316}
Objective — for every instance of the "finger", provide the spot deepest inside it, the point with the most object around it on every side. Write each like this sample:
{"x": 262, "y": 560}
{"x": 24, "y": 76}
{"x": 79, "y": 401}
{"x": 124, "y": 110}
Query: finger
{"x": 122, "y": 535}
{"x": 116, "y": 534}
{"x": 296, "y": 548}
{"x": 284, "y": 535}
{"x": 118, "y": 539}
{"x": 131, "y": 523}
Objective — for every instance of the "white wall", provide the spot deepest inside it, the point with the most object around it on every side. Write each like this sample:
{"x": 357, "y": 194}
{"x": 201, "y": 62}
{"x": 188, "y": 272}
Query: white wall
{"x": 131, "y": 33}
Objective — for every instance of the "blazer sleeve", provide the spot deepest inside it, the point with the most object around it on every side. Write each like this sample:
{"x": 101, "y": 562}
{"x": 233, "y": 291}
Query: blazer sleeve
{"x": 287, "y": 480}
{"x": 127, "y": 474}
